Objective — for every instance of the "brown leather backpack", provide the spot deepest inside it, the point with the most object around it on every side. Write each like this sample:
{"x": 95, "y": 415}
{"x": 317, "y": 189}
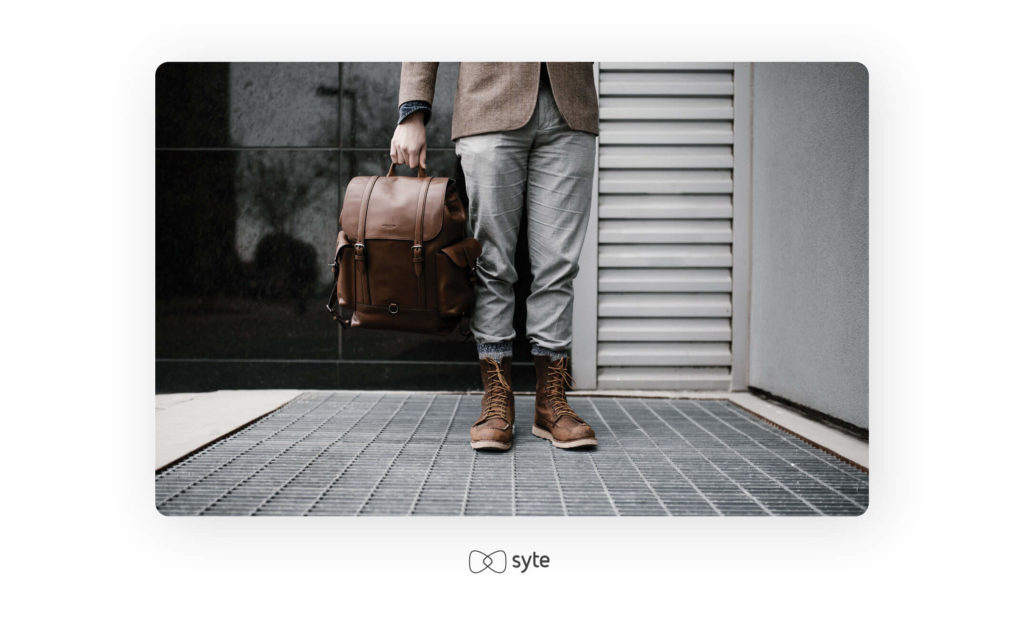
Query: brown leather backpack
{"x": 402, "y": 260}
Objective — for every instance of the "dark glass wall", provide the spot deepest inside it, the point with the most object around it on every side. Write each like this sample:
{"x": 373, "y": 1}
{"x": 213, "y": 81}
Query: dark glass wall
{"x": 252, "y": 162}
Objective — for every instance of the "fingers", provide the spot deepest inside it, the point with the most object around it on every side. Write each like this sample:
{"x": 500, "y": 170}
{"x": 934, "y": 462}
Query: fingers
{"x": 412, "y": 156}
{"x": 408, "y": 150}
{"x": 395, "y": 153}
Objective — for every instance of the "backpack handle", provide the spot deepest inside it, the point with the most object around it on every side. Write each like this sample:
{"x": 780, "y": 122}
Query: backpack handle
{"x": 421, "y": 171}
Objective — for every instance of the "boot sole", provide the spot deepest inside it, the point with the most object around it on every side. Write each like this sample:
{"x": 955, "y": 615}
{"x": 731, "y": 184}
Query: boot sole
{"x": 490, "y": 445}
{"x": 580, "y": 442}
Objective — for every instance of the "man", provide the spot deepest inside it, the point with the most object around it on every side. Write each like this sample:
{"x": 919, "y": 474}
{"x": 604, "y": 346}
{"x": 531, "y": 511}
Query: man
{"x": 525, "y": 134}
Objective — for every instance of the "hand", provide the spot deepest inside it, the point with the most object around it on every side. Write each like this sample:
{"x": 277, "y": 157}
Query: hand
{"x": 409, "y": 143}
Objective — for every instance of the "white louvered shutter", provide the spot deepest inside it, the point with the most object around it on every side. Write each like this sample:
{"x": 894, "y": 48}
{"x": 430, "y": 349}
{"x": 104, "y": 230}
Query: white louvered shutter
{"x": 665, "y": 208}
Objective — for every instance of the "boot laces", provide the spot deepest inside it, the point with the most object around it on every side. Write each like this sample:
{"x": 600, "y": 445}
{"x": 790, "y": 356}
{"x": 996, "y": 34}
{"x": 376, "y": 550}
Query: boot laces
{"x": 498, "y": 390}
{"x": 554, "y": 388}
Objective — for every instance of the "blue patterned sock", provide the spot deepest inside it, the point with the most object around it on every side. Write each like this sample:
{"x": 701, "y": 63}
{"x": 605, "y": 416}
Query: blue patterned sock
{"x": 497, "y": 351}
{"x": 537, "y": 350}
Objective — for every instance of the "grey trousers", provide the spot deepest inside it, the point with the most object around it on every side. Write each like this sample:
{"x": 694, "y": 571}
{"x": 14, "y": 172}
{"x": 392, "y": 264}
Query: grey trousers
{"x": 546, "y": 170}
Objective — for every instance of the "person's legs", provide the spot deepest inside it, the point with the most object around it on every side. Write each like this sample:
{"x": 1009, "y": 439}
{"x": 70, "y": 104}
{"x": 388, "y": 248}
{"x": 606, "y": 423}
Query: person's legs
{"x": 495, "y": 169}
{"x": 560, "y": 178}
{"x": 494, "y": 166}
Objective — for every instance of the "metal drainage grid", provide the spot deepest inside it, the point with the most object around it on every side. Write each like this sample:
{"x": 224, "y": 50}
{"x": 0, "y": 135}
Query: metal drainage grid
{"x": 383, "y": 453}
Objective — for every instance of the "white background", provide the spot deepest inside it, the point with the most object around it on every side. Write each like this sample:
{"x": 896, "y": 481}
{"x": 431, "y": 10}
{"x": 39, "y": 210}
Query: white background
{"x": 82, "y": 540}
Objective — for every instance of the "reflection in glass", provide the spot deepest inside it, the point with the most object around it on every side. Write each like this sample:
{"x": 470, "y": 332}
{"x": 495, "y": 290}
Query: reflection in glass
{"x": 252, "y": 161}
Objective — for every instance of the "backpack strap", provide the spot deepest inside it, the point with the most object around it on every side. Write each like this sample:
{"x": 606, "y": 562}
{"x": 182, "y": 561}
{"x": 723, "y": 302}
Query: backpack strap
{"x": 417, "y": 241}
{"x": 332, "y": 305}
{"x": 362, "y": 280}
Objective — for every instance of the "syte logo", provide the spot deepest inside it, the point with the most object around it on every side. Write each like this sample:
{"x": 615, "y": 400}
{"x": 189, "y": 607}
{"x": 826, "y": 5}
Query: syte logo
{"x": 497, "y": 561}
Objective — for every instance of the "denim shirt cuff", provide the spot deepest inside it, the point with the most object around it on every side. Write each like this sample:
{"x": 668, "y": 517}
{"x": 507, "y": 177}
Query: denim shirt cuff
{"x": 410, "y": 107}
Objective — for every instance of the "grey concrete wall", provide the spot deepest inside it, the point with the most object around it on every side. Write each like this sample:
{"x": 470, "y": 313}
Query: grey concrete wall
{"x": 809, "y": 248}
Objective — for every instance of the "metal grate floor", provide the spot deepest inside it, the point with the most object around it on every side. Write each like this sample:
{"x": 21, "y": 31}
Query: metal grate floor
{"x": 385, "y": 453}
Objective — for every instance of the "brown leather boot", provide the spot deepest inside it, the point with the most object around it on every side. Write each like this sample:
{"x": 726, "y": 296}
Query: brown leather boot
{"x": 494, "y": 429}
{"x": 553, "y": 419}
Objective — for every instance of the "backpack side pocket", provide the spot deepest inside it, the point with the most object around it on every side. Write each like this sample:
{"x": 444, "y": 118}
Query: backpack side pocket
{"x": 345, "y": 272}
{"x": 456, "y": 273}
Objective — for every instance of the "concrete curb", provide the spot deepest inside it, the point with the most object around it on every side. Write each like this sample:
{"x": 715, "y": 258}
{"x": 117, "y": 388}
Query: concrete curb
{"x": 186, "y": 422}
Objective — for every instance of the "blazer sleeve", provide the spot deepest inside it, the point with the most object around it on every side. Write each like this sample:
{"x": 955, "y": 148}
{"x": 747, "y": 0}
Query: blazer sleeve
{"x": 417, "y": 82}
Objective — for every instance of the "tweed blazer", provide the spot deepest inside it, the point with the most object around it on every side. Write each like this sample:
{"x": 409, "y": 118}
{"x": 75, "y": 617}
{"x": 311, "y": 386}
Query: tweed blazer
{"x": 493, "y": 97}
